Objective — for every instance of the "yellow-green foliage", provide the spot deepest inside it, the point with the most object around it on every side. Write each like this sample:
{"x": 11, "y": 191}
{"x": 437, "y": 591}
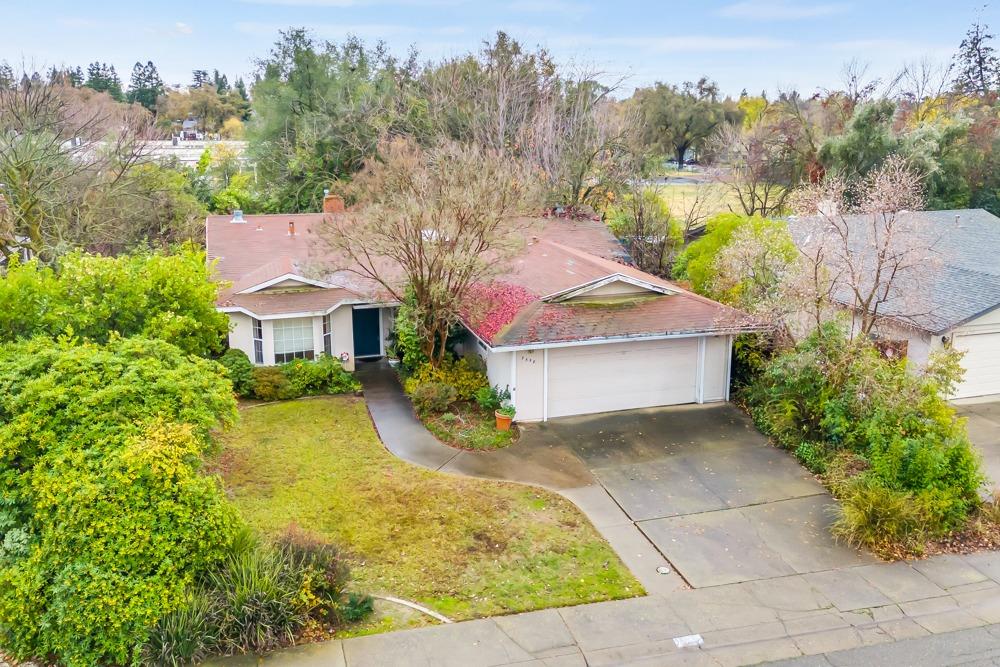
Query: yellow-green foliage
{"x": 165, "y": 296}
{"x": 460, "y": 374}
{"x": 105, "y": 518}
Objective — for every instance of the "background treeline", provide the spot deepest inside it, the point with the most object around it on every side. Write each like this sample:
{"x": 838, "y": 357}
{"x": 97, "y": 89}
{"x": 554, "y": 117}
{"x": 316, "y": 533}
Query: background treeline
{"x": 315, "y": 111}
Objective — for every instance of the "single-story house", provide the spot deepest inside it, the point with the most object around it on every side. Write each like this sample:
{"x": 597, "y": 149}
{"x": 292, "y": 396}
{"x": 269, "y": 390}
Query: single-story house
{"x": 959, "y": 302}
{"x": 569, "y": 329}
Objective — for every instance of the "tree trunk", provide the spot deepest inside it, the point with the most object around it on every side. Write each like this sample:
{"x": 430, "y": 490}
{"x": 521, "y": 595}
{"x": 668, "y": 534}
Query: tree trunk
{"x": 681, "y": 152}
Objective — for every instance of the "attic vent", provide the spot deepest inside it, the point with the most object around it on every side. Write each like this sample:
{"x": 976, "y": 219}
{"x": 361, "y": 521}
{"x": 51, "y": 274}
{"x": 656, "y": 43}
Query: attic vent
{"x": 238, "y": 217}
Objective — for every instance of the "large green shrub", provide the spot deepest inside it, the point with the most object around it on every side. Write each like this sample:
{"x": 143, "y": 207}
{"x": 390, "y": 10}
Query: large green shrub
{"x": 906, "y": 444}
{"x": 301, "y": 377}
{"x": 271, "y": 384}
{"x": 107, "y": 518}
{"x": 240, "y": 370}
{"x": 326, "y": 375}
{"x": 166, "y": 296}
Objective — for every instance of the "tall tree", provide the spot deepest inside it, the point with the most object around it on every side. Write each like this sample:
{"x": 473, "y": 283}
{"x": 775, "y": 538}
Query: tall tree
{"x": 435, "y": 224}
{"x": 977, "y": 64}
{"x": 146, "y": 86}
{"x": 221, "y": 82}
{"x": 104, "y": 79}
{"x": 199, "y": 78}
{"x": 677, "y": 119}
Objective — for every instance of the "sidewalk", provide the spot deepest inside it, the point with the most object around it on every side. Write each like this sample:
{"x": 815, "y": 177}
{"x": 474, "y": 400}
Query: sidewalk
{"x": 738, "y": 624}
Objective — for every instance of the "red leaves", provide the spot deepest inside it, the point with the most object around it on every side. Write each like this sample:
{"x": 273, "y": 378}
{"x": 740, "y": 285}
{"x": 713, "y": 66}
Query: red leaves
{"x": 494, "y": 305}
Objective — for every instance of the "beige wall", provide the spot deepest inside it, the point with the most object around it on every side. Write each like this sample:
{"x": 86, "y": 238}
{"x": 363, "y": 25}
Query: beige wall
{"x": 342, "y": 325}
{"x": 241, "y": 333}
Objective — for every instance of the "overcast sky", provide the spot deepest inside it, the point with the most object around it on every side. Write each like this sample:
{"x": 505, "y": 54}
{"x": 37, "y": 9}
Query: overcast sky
{"x": 752, "y": 44}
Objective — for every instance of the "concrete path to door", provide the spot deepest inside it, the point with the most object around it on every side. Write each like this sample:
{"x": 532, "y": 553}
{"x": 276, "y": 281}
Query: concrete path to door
{"x": 769, "y": 614}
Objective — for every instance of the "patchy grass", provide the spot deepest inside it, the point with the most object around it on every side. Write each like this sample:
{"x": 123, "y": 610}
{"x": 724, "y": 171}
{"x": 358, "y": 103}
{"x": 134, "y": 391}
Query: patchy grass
{"x": 468, "y": 426}
{"x": 708, "y": 198}
{"x": 463, "y": 547}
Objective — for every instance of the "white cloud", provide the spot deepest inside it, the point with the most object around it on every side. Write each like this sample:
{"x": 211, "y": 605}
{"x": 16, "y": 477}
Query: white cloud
{"x": 780, "y": 10}
{"x": 183, "y": 28}
{"x": 673, "y": 44}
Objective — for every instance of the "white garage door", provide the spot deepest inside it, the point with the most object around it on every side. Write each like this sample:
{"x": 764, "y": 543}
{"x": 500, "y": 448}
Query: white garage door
{"x": 981, "y": 363}
{"x": 622, "y": 376}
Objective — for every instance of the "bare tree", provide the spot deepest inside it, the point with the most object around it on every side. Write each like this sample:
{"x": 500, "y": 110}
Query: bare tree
{"x": 759, "y": 167}
{"x": 643, "y": 223}
{"x": 435, "y": 222}
{"x": 62, "y": 153}
{"x": 923, "y": 88}
{"x": 878, "y": 257}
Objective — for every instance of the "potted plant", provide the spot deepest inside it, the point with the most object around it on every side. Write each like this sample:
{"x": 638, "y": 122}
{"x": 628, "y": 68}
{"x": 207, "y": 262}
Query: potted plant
{"x": 505, "y": 415}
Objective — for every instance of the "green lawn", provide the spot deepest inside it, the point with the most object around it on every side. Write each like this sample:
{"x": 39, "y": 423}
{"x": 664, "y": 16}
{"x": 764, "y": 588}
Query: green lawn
{"x": 463, "y": 547}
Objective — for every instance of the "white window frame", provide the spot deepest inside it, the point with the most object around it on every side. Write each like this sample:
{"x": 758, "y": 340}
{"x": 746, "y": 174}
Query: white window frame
{"x": 257, "y": 333}
{"x": 328, "y": 334}
{"x": 301, "y": 342}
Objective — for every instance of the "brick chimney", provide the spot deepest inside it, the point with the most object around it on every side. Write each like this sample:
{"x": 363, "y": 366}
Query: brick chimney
{"x": 333, "y": 203}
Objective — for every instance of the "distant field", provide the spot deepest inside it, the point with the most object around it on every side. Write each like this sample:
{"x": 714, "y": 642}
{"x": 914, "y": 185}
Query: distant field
{"x": 705, "y": 198}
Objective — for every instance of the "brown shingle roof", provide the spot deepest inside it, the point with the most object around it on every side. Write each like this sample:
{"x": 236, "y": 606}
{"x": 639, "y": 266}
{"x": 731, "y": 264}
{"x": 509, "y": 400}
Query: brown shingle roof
{"x": 566, "y": 254}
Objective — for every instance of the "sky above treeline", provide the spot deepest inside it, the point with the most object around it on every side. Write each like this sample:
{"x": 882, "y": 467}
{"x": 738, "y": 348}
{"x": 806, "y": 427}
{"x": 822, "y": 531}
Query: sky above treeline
{"x": 742, "y": 44}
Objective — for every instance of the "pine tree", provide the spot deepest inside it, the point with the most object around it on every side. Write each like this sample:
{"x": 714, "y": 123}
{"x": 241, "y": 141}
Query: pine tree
{"x": 6, "y": 75}
{"x": 103, "y": 78}
{"x": 200, "y": 78}
{"x": 146, "y": 85}
{"x": 221, "y": 82}
{"x": 976, "y": 63}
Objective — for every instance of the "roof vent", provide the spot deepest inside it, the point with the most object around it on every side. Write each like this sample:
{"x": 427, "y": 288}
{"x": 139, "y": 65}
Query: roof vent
{"x": 238, "y": 216}
{"x": 291, "y": 228}
{"x": 260, "y": 227}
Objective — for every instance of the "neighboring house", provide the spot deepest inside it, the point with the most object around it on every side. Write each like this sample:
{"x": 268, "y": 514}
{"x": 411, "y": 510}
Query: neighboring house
{"x": 959, "y": 305}
{"x": 569, "y": 330}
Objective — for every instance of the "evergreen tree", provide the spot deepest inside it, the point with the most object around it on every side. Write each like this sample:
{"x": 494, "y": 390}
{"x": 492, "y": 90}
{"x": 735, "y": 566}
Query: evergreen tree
{"x": 977, "y": 64}
{"x": 76, "y": 76}
{"x": 103, "y": 78}
{"x": 200, "y": 78}
{"x": 6, "y": 75}
{"x": 146, "y": 85}
{"x": 221, "y": 82}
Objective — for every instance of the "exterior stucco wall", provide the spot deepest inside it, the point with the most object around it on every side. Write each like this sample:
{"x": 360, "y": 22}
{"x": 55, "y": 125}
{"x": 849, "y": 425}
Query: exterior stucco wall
{"x": 342, "y": 326}
{"x": 241, "y": 333}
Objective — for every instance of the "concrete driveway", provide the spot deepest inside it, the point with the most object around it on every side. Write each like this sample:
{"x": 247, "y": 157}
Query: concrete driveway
{"x": 984, "y": 431}
{"x": 706, "y": 488}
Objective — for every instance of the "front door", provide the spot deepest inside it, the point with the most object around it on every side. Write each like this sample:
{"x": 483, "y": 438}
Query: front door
{"x": 367, "y": 333}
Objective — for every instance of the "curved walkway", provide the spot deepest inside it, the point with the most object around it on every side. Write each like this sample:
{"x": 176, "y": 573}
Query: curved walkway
{"x": 547, "y": 464}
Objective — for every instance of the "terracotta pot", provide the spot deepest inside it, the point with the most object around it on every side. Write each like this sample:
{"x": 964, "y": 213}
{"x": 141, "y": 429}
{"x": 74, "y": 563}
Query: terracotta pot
{"x": 503, "y": 421}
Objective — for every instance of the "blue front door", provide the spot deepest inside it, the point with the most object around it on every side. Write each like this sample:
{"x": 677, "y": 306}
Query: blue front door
{"x": 367, "y": 333}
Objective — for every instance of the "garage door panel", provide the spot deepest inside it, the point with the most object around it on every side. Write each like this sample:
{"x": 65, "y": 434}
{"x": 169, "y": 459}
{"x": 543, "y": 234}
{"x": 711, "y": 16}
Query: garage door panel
{"x": 981, "y": 363}
{"x": 622, "y": 376}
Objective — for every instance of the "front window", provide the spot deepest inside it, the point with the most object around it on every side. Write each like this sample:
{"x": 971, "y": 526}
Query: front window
{"x": 258, "y": 341}
{"x": 327, "y": 335}
{"x": 293, "y": 339}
